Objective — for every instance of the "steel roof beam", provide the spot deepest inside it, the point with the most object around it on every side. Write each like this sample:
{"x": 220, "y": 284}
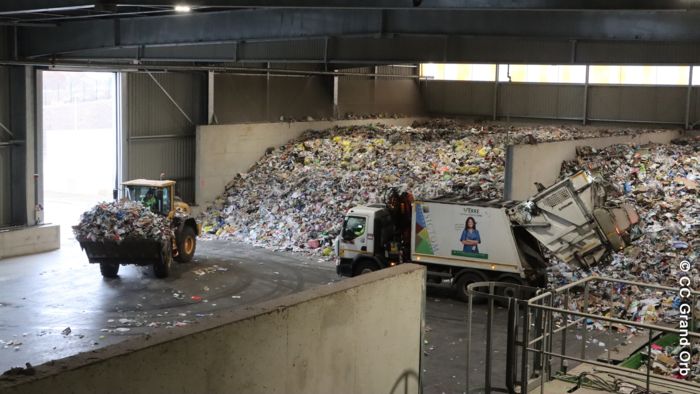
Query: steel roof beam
{"x": 28, "y": 6}
{"x": 276, "y": 24}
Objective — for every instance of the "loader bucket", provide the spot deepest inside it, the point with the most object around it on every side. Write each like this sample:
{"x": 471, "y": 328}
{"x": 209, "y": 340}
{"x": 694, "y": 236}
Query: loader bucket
{"x": 139, "y": 252}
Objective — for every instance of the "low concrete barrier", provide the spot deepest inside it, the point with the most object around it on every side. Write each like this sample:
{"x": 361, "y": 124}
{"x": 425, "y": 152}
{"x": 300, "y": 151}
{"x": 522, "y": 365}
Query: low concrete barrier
{"x": 360, "y": 335}
{"x": 29, "y": 240}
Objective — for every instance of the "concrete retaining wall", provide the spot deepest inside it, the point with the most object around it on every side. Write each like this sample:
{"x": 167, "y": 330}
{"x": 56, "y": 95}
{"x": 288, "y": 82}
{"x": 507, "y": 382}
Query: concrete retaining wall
{"x": 527, "y": 164}
{"x": 361, "y": 335}
{"x": 226, "y": 150}
{"x": 29, "y": 240}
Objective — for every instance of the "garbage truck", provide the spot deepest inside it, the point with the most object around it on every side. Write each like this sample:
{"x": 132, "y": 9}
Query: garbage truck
{"x": 461, "y": 242}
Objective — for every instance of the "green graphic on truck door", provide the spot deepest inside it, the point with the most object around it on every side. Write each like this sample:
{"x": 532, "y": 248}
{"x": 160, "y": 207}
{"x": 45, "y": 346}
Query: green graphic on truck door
{"x": 423, "y": 244}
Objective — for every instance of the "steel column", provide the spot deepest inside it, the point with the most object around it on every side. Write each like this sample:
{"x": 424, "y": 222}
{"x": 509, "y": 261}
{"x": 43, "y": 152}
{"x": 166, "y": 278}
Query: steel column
{"x": 688, "y": 96}
{"x": 211, "y": 79}
{"x": 19, "y": 153}
{"x": 584, "y": 115}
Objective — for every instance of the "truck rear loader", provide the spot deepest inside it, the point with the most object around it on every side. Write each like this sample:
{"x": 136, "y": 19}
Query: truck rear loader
{"x": 461, "y": 242}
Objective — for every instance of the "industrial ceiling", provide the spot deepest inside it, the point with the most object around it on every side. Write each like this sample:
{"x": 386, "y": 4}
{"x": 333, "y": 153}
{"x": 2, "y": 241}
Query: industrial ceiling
{"x": 341, "y": 32}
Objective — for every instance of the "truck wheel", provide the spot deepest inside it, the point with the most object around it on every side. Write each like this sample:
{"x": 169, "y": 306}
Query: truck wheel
{"x": 465, "y": 279}
{"x": 109, "y": 270}
{"x": 186, "y": 245}
{"x": 508, "y": 291}
{"x": 161, "y": 269}
{"x": 364, "y": 267}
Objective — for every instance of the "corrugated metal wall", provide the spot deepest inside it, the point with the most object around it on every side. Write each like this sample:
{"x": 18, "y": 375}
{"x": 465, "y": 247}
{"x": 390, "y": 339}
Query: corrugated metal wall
{"x": 458, "y": 97}
{"x": 5, "y": 214}
{"x": 656, "y": 104}
{"x": 540, "y": 100}
{"x": 160, "y": 138}
{"x": 246, "y": 98}
{"x": 637, "y": 103}
{"x": 5, "y": 181}
{"x": 361, "y": 95}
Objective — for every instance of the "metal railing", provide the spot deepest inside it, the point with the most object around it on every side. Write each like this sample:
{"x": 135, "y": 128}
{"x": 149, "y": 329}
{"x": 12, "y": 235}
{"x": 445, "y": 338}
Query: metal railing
{"x": 532, "y": 329}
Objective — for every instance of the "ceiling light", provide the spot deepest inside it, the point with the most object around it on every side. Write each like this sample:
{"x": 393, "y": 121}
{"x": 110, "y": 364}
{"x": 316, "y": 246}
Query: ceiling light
{"x": 183, "y": 8}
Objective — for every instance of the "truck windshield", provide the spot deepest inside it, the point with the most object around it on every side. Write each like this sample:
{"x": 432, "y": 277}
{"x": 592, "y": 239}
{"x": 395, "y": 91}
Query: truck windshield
{"x": 353, "y": 227}
{"x": 156, "y": 199}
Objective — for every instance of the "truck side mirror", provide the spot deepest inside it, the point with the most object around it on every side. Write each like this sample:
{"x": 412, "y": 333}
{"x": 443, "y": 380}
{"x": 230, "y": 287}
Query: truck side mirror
{"x": 115, "y": 194}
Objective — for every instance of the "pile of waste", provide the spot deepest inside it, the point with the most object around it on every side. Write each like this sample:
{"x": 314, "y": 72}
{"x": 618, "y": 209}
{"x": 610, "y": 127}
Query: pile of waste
{"x": 119, "y": 220}
{"x": 662, "y": 182}
{"x": 295, "y": 197}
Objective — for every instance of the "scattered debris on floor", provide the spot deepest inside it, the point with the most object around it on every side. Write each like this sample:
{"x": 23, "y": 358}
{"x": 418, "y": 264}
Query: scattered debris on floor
{"x": 209, "y": 270}
{"x": 115, "y": 220}
{"x": 13, "y": 344}
{"x": 294, "y": 197}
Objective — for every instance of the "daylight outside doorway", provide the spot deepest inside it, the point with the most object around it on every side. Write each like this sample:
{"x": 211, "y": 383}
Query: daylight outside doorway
{"x": 79, "y": 144}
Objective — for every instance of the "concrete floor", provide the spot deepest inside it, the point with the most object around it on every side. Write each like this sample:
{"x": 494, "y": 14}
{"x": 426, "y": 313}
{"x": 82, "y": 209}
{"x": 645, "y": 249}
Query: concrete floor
{"x": 43, "y": 295}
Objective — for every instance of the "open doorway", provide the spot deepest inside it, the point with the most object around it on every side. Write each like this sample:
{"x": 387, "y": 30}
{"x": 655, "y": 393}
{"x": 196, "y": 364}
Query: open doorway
{"x": 79, "y": 144}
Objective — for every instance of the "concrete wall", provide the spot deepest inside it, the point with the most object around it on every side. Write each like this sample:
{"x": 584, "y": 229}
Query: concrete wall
{"x": 29, "y": 240}
{"x": 226, "y": 150}
{"x": 528, "y": 164}
{"x": 361, "y": 335}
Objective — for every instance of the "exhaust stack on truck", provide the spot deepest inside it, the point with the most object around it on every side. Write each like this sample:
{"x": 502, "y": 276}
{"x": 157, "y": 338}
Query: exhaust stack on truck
{"x": 461, "y": 242}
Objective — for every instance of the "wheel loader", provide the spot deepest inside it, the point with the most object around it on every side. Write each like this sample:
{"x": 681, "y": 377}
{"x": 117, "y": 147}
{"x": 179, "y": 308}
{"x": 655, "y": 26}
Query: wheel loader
{"x": 110, "y": 255}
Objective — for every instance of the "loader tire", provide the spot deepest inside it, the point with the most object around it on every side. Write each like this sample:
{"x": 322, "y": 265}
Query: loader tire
{"x": 161, "y": 269}
{"x": 186, "y": 245}
{"x": 109, "y": 270}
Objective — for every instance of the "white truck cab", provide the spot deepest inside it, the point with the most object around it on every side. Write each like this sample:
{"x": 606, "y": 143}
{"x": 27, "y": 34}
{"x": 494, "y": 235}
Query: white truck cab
{"x": 363, "y": 228}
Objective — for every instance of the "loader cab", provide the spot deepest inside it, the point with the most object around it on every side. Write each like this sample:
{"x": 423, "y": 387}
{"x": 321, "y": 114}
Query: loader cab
{"x": 156, "y": 195}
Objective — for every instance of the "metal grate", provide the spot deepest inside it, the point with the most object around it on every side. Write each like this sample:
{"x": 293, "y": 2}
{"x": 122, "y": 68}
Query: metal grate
{"x": 557, "y": 198}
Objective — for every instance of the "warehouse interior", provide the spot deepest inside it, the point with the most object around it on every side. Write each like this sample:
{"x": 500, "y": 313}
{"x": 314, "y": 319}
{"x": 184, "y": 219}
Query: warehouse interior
{"x": 268, "y": 128}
